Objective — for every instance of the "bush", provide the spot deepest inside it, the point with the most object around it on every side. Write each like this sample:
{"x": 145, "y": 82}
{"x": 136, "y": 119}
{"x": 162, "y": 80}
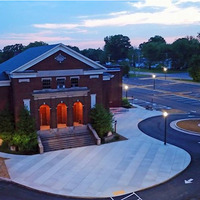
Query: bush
{"x": 101, "y": 120}
{"x": 125, "y": 103}
{"x": 24, "y": 142}
{"x": 26, "y": 123}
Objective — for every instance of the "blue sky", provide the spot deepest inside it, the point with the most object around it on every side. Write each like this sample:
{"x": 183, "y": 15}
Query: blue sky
{"x": 85, "y": 23}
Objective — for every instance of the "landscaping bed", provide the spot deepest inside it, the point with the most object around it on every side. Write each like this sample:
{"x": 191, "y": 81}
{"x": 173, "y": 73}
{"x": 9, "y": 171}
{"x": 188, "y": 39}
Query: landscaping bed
{"x": 3, "y": 169}
{"x": 190, "y": 125}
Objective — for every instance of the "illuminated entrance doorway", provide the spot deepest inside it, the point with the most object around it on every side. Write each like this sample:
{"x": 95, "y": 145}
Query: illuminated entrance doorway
{"x": 61, "y": 115}
{"x": 78, "y": 113}
{"x": 44, "y": 117}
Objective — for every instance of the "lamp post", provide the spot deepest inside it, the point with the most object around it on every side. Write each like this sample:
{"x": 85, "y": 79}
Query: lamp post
{"x": 165, "y": 71}
{"x": 126, "y": 89}
{"x": 154, "y": 81}
{"x": 115, "y": 129}
{"x": 165, "y": 114}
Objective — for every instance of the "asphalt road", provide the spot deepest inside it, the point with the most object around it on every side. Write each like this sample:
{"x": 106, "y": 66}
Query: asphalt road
{"x": 170, "y": 93}
{"x": 175, "y": 189}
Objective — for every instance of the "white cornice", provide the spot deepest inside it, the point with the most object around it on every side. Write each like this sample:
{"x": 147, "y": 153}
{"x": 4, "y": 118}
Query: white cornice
{"x": 67, "y": 50}
{"x": 4, "y": 83}
{"x": 23, "y": 75}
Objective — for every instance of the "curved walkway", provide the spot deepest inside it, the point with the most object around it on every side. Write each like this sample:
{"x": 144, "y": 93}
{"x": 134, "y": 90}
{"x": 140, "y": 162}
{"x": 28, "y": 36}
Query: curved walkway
{"x": 106, "y": 170}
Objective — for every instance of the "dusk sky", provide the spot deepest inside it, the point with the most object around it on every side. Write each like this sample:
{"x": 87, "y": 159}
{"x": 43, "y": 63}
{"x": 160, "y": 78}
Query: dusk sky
{"x": 85, "y": 23}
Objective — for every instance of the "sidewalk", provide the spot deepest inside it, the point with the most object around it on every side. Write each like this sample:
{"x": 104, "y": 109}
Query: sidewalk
{"x": 106, "y": 170}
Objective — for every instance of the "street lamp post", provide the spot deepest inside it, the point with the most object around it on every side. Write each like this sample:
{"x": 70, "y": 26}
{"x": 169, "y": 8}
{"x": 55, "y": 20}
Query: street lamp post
{"x": 165, "y": 71}
{"x": 126, "y": 89}
{"x": 154, "y": 81}
{"x": 165, "y": 114}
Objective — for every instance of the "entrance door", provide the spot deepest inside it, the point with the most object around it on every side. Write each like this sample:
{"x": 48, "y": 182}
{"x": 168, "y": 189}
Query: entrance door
{"x": 44, "y": 117}
{"x": 61, "y": 115}
{"x": 78, "y": 113}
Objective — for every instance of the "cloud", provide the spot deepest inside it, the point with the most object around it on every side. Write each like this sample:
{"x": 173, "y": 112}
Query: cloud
{"x": 56, "y": 26}
{"x": 26, "y": 38}
{"x": 171, "y": 14}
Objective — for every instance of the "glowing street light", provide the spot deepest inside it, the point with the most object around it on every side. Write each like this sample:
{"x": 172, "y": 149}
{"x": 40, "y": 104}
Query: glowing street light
{"x": 154, "y": 81}
{"x": 126, "y": 89}
{"x": 165, "y": 71}
{"x": 165, "y": 114}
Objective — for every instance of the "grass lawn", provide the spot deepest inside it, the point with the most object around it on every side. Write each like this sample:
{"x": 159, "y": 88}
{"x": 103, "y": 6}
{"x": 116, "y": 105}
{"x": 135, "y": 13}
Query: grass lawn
{"x": 190, "y": 125}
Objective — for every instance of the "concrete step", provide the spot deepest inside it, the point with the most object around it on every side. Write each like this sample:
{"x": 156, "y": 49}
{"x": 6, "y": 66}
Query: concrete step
{"x": 64, "y": 141}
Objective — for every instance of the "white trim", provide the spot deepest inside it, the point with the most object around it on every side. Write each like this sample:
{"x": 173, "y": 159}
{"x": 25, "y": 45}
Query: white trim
{"x": 94, "y": 76}
{"x": 60, "y": 78}
{"x": 106, "y": 78}
{"x": 25, "y": 80}
{"x": 42, "y": 79}
{"x": 23, "y": 75}
{"x": 67, "y": 50}
{"x": 5, "y": 83}
{"x": 91, "y": 72}
{"x": 74, "y": 77}
{"x": 58, "y": 73}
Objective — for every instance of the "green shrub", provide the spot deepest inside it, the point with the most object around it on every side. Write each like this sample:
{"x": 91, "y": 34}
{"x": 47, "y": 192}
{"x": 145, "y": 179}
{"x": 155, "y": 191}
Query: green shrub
{"x": 26, "y": 123}
{"x": 24, "y": 142}
{"x": 125, "y": 103}
{"x": 101, "y": 120}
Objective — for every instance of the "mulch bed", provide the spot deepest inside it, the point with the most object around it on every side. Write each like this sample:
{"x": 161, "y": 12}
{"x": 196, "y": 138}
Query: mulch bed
{"x": 3, "y": 169}
{"x": 190, "y": 125}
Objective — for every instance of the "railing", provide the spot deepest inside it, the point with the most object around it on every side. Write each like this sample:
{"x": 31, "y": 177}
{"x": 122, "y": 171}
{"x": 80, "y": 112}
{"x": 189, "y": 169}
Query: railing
{"x": 94, "y": 133}
{"x": 41, "y": 148}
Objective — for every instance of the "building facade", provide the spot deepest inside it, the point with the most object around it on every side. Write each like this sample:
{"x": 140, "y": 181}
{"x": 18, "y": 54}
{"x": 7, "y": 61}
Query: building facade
{"x": 57, "y": 85}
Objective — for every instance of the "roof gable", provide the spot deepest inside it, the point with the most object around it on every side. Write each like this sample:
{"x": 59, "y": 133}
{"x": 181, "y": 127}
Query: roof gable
{"x": 32, "y": 56}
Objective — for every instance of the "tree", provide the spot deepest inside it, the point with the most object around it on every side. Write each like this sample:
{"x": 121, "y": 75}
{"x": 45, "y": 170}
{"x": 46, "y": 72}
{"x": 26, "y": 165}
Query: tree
{"x": 93, "y": 54}
{"x": 117, "y": 47}
{"x": 154, "y": 50}
{"x": 101, "y": 120}
{"x": 26, "y": 123}
{"x": 182, "y": 51}
{"x": 74, "y": 48}
{"x": 194, "y": 69}
{"x": 11, "y": 50}
{"x": 35, "y": 44}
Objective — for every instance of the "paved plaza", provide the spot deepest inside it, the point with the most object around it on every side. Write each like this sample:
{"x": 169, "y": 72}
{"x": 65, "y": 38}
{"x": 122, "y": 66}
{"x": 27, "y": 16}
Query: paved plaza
{"x": 105, "y": 170}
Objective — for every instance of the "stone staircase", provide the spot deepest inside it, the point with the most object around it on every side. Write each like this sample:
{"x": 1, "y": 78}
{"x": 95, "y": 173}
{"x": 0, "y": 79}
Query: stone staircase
{"x": 71, "y": 137}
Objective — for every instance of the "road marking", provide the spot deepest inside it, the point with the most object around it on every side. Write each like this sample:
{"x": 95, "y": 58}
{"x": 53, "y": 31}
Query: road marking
{"x": 189, "y": 181}
{"x": 199, "y": 142}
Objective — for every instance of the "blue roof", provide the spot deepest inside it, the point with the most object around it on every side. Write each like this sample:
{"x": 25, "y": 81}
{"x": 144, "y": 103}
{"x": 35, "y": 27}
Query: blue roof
{"x": 22, "y": 58}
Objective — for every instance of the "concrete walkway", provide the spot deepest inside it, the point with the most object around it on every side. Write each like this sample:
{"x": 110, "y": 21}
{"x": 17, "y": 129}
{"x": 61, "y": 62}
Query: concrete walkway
{"x": 106, "y": 170}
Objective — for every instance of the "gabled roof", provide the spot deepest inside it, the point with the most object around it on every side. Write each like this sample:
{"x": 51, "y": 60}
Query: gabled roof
{"x": 32, "y": 56}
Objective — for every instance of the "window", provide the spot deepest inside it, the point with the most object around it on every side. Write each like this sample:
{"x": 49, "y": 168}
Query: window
{"x": 46, "y": 83}
{"x": 27, "y": 104}
{"x": 74, "y": 82}
{"x": 93, "y": 100}
{"x": 60, "y": 83}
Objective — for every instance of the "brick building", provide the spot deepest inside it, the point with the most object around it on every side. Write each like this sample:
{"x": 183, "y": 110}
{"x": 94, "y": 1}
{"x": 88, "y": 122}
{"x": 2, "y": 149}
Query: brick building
{"x": 57, "y": 85}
